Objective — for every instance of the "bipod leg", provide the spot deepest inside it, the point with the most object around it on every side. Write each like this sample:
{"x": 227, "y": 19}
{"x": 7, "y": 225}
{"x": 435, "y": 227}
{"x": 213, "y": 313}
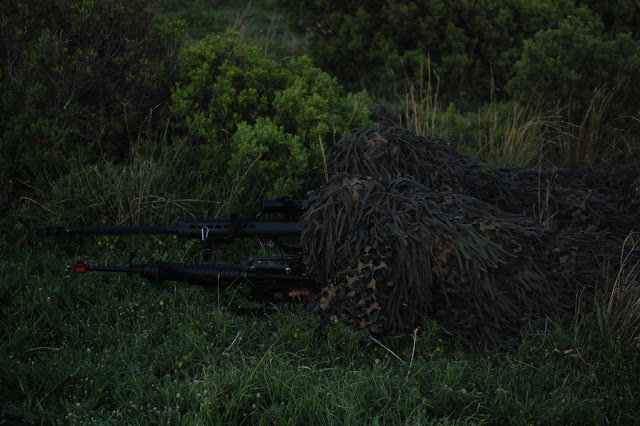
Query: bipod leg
{"x": 211, "y": 256}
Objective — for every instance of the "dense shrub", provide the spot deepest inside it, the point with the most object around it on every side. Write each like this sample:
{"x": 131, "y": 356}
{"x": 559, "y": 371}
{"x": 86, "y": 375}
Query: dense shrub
{"x": 237, "y": 107}
{"x": 590, "y": 79}
{"x": 620, "y": 16}
{"x": 79, "y": 79}
{"x": 566, "y": 65}
{"x": 471, "y": 44}
{"x": 573, "y": 61}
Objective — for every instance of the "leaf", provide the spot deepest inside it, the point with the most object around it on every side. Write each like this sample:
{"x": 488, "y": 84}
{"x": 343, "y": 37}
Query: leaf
{"x": 351, "y": 280}
{"x": 372, "y": 284}
{"x": 483, "y": 226}
{"x": 443, "y": 255}
{"x": 380, "y": 266}
{"x": 375, "y": 305}
{"x": 324, "y": 303}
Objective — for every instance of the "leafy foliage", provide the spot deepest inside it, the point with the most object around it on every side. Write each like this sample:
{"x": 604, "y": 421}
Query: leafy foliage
{"x": 568, "y": 64}
{"x": 620, "y": 16}
{"x": 576, "y": 60}
{"x": 79, "y": 77}
{"x": 379, "y": 43}
{"x": 239, "y": 106}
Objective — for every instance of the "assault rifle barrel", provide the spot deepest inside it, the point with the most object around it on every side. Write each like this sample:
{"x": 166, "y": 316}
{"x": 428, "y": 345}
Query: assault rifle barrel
{"x": 263, "y": 275}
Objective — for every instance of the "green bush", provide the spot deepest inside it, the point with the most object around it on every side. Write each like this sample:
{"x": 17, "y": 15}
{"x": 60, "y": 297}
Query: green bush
{"x": 222, "y": 82}
{"x": 470, "y": 44}
{"x": 573, "y": 61}
{"x": 265, "y": 157}
{"x": 620, "y": 16}
{"x": 79, "y": 80}
{"x": 235, "y": 106}
{"x": 590, "y": 80}
{"x": 568, "y": 64}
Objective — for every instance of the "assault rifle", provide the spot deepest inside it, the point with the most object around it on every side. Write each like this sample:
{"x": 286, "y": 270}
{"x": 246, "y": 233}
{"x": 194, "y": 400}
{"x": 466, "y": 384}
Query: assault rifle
{"x": 270, "y": 278}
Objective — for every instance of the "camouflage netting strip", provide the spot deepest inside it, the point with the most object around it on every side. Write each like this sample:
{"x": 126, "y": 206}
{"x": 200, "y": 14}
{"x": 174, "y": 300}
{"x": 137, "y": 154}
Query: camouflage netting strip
{"x": 394, "y": 254}
{"x": 577, "y": 199}
{"x": 567, "y": 199}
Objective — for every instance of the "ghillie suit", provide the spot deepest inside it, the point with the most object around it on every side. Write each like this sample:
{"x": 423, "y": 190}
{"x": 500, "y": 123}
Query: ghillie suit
{"x": 395, "y": 253}
{"x": 578, "y": 199}
{"x": 563, "y": 198}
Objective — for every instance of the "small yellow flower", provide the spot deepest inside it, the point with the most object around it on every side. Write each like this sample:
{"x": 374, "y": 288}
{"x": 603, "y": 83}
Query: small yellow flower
{"x": 161, "y": 303}
{"x": 377, "y": 361}
{"x": 438, "y": 349}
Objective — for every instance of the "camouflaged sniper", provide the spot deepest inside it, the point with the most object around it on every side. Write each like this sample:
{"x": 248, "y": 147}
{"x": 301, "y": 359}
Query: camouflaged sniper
{"x": 395, "y": 251}
{"x": 559, "y": 198}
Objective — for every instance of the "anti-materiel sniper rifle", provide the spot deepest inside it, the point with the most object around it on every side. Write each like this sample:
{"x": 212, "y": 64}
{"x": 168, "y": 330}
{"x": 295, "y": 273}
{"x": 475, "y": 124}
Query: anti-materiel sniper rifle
{"x": 269, "y": 278}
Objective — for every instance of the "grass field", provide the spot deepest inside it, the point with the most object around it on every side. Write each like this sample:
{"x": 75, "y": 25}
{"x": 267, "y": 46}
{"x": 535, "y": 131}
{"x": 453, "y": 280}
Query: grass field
{"x": 117, "y": 349}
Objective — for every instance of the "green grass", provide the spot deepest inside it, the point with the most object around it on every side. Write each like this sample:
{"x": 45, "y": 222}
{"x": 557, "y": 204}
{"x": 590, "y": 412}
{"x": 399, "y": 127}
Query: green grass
{"x": 512, "y": 133}
{"x": 113, "y": 348}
